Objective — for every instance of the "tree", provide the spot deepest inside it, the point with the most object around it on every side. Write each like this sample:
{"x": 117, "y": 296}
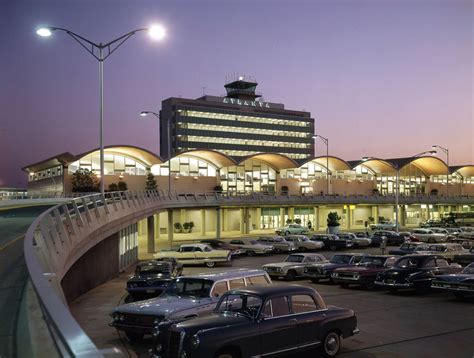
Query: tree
{"x": 113, "y": 187}
{"x": 333, "y": 219}
{"x": 85, "y": 181}
{"x": 150, "y": 183}
{"x": 297, "y": 221}
{"x": 122, "y": 186}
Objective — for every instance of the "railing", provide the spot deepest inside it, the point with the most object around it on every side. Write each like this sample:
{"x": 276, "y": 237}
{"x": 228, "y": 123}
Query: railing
{"x": 63, "y": 233}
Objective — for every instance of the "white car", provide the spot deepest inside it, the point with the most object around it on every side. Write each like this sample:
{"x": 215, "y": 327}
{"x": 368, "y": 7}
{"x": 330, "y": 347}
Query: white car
{"x": 252, "y": 247}
{"x": 197, "y": 254}
{"x": 303, "y": 243}
{"x": 295, "y": 229}
{"x": 428, "y": 235}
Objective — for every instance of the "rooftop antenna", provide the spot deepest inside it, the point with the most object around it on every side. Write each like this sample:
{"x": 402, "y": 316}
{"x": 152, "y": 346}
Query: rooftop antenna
{"x": 204, "y": 91}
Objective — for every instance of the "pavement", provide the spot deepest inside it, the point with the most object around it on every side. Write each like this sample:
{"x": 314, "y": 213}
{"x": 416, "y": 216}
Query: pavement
{"x": 402, "y": 325}
{"x": 13, "y": 272}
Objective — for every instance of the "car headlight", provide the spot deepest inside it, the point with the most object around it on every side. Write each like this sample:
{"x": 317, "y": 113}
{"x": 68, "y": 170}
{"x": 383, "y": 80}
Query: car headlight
{"x": 132, "y": 285}
{"x": 158, "y": 348}
{"x": 156, "y": 322}
{"x": 194, "y": 341}
{"x": 334, "y": 274}
{"x": 305, "y": 270}
{"x": 356, "y": 277}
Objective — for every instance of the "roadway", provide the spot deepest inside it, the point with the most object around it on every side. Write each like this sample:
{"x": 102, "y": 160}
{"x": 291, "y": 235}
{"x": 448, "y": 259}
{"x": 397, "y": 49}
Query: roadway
{"x": 402, "y": 325}
{"x": 13, "y": 272}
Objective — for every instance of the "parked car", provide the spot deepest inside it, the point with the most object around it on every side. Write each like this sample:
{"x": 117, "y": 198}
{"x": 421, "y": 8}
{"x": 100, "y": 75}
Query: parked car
{"x": 466, "y": 243}
{"x": 428, "y": 235}
{"x": 383, "y": 226}
{"x": 466, "y": 232}
{"x": 414, "y": 271}
{"x": 259, "y": 321}
{"x": 364, "y": 272}
{"x": 464, "y": 259}
{"x": 409, "y": 248}
{"x": 197, "y": 254}
{"x": 185, "y": 297}
{"x": 278, "y": 242}
{"x": 441, "y": 230}
{"x": 392, "y": 237}
{"x": 408, "y": 236}
{"x": 217, "y": 244}
{"x": 292, "y": 229}
{"x": 302, "y": 243}
{"x": 356, "y": 241}
{"x": 332, "y": 242}
{"x": 251, "y": 247}
{"x": 362, "y": 234}
{"x": 448, "y": 250}
{"x": 322, "y": 271}
{"x": 460, "y": 284}
{"x": 432, "y": 223}
{"x": 152, "y": 277}
{"x": 293, "y": 266}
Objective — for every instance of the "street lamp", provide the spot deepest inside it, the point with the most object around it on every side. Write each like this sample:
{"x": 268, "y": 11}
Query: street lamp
{"x": 445, "y": 151}
{"x": 326, "y": 142}
{"x": 146, "y": 113}
{"x": 97, "y": 51}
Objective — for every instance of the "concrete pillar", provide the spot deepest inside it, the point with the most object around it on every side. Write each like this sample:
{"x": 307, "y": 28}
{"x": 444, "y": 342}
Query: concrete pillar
{"x": 203, "y": 222}
{"x": 157, "y": 227}
{"x": 151, "y": 234}
{"x": 170, "y": 228}
{"x": 242, "y": 220}
{"x": 218, "y": 223}
{"x": 375, "y": 213}
{"x": 348, "y": 217}
{"x": 316, "y": 218}
{"x": 247, "y": 220}
{"x": 141, "y": 227}
{"x": 182, "y": 216}
{"x": 224, "y": 219}
{"x": 291, "y": 214}
{"x": 258, "y": 218}
{"x": 402, "y": 215}
{"x": 282, "y": 217}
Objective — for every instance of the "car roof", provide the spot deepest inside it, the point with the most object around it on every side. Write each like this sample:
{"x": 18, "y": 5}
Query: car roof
{"x": 274, "y": 290}
{"x": 195, "y": 245}
{"x": 228, "y": 275}
{"x": 304, "y": 254}
{"x": 423, "y": 256}
{"x": 352, "y": 254}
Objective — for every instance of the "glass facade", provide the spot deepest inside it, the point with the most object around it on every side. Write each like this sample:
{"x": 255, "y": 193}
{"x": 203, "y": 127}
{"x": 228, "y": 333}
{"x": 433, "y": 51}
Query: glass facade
{"x": 46, "y": 173}
{"x": 114, "y": 164}
{"x": 251, "y": 176}
{"x": 186, "y": 166}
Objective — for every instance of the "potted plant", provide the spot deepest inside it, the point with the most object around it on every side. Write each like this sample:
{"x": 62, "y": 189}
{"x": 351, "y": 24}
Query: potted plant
{"x": 191, "y": 225}
{"x": 186, "y": 227}
{"x": 298, "y": 221}
{"x": 178, "y": 227}
{"x": 333, "y": 222}
{"x": 122, "y": 186}
{"x": 289, "y": 221}
{"x": 113, "y": 187}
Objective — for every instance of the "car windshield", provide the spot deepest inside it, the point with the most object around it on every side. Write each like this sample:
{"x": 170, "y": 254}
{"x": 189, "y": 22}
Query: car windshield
{"x": 189, "y": 287}
{"x": 436, "y": 248}
{"x": 340, "y": 259}
{"x": 240, "y": 304}
{"x": 469, "y": 269}
{"x": 154, "y": 269}
{"x": 253, "y": 242}
{"x": 304, "y": 238}
{"x": 294, "y": 258}
{"x": 409, "y": 262}
{"x": 372, "y": 261}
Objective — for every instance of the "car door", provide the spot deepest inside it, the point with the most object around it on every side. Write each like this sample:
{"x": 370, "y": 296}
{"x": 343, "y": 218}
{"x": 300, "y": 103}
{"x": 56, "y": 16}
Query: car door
{"x": 310, "y": 316}
{"x": 198, "y": 255}
{"x": 277, "y": 327}
{"x": 443, "y": 267}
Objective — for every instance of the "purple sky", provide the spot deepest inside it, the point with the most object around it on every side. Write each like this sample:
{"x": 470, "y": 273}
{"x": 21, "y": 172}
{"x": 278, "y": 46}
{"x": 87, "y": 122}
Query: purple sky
{"x": 382, "y": 78}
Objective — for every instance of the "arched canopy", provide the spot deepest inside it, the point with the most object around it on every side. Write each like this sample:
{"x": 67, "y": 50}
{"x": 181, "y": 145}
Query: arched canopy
{"x": 274, "y": 160}
{"x": 376, "y": 165}
{"x": 142, "y": 155}
{"x": 212, "y": 157}
{"x": 429, "y": 165}
{"x": 334, "y": 163}
{"x": 465, "y": 170}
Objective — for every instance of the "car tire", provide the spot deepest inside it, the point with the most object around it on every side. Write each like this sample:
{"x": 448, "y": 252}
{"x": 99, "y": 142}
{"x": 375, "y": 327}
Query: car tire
{"x": 302, "y": 249}
{"x": 459, "y": 295}
{"x": 315, "y": 280}
{"x": 228, "y": 353}
{"x": 134, "y": 337}
{"x": 290, "y": 275}
{"x": 392, "y": 290}
{"x": 250, "y": 253}
{"x": 344, "y": 284}
{"x": 210, "y": 263}
{"x": 369, "y": 285}
{"x": 333, "y": 247}
{"x": 331, "y": 344}
{"x": 129, "y": 299}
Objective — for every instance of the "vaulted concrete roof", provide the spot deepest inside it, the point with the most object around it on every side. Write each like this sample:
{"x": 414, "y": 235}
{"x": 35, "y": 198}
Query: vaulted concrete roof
{"x": 274, "y": 160}
{"x": 334, "y": 163}
{"x": 429, "y": 165}
{"x": 217, "y": 159}
{"x": 463, "y": 170}
{"x": 140, "y": 154}
{"x": 375, "y": 165}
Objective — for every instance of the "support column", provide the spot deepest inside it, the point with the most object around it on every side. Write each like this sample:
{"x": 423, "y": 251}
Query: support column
{"x": 403, "y": 215}
{"x": 203, "y": 222}
{"x": 218, "y": 223}
{"x": 247, "y": 221}
{"x": 141, "y": 227}
{"x": 150, "y": 221}
{"x": 170, "y": 228}
{"x": 375, "y": 213}
{"x": 242, "y": 221}
{"x": 291, "y": 214}
{"x": 258, "y": 218}
{"x": 282, "y": 217}
{"x": 348, "y": 217}
{"x": 316, "y": 218}
{"x": 224, "y": 220}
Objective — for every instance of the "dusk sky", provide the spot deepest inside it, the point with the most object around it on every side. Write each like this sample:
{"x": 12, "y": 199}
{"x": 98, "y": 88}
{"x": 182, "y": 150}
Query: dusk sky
{"x": 381, "y": 78}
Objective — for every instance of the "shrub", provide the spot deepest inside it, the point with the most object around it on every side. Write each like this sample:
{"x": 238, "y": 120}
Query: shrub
{"x": 113, "y": 187}
{"x": 333, "y": 219}
{"x": 85, "y": 181}
{"x": 150, "y": 183}
{"x": 122, "y": 186}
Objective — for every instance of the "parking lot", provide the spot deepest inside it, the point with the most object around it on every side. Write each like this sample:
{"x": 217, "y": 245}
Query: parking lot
{"x": 406, "y": 324}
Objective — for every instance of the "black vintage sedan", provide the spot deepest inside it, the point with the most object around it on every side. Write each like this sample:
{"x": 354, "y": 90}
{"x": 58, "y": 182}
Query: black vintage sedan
{"x": 152, "y": 277}
{"x": 259, "y": 321}
{"x": 409, "y": 248}
{"x": 460, "y": 284}
{"x": 464, "y": 259}
{"x": 414, "y": 271}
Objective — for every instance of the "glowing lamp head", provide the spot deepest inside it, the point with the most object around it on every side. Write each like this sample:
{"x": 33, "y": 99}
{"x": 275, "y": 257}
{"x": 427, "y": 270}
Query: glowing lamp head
{"x": 157, "y": 32}
{"x": 143, "y": 113}
{"x": 44, "y": 32}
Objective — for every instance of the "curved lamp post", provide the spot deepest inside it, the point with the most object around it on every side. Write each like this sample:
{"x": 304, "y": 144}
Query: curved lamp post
{"x": 326, "y": 142}
{"x": 146, "y": 113}
{"x": 101, "y": 52}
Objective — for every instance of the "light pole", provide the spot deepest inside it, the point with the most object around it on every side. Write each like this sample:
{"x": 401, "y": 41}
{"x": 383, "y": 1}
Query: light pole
{"x": 445, "y": 151}
{"x": 146, "y": 113}
{"x": 101, "y": 52}
{"x": 326, "y": 142}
